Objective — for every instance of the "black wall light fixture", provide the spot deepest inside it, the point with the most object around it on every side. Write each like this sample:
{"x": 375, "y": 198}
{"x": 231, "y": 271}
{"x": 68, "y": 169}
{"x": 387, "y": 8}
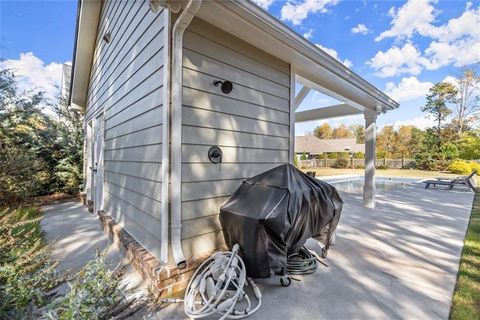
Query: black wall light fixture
{"x": 107, "y": 37}
{"x": 226, "y": 87}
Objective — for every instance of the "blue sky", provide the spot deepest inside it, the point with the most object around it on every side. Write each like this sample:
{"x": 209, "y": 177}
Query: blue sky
{"x": 402, "y": 47}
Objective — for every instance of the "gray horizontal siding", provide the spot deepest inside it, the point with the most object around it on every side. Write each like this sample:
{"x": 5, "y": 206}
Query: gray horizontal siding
{"x": 152, "y": 135}
{"x": 209, "y": 40}
{"x": 204, "y": 82}
{"x": 135, "y": 197}
{"x": 204, "y": 242}
{"x": 126, "y": 83}
{"x": 150, "y": 153}
{"x": 193, "y": 172}
{"x": 128, "y": 217}
{"x": 251, "y": 125}
{"x": 197, "y": 99}
{"x": 211, "y": 136}
{"x": 226, "y": 121}
{"x": 199, "y": 154}
{"x": 143, "y": 170}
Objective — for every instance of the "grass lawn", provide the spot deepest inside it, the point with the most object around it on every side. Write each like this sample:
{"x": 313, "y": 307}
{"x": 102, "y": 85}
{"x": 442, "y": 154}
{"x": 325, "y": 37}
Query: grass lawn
{"x": 402, "y": 173}
{"x": 466, "y": 299}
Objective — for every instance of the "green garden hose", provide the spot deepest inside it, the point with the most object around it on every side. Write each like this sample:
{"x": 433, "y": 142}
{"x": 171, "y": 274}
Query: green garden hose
{"x": 303, "y": 262}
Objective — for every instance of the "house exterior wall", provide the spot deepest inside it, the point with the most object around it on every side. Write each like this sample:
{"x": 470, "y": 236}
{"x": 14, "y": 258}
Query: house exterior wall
{"x": 126, "y": 83}
{"x": 251, "y": 125}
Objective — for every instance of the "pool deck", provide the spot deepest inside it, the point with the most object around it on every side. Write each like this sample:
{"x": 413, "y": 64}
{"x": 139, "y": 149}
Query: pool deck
{"x": 398, "y": 261}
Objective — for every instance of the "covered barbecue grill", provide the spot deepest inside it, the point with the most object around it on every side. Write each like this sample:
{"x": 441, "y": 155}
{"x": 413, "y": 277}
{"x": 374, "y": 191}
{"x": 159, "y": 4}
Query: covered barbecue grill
{"x": 273, "y": 214}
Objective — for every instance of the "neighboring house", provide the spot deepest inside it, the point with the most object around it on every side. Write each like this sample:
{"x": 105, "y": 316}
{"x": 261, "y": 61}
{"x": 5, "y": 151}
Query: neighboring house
{"x": 312, "y": 146}
{"x": 158, "y": 97}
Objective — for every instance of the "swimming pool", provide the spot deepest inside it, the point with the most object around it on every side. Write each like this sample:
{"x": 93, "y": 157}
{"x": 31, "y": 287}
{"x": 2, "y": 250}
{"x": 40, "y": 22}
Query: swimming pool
{"x": 355, "y": 184}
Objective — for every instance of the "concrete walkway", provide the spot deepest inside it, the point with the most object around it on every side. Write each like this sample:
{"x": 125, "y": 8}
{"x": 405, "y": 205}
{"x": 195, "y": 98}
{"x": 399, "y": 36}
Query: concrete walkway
{"x": 398, "y": 261}
{"x": 76, "y": 236}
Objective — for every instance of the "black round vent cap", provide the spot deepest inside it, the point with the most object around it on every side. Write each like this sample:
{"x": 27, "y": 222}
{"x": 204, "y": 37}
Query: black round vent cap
{"x": 215, "y": 154}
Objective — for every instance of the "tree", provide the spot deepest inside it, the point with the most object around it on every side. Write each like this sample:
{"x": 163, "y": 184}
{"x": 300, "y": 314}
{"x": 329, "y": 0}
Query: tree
{"x": 469, "y": 145}
{"x": 359, "y": 133}
{"x": 323, "y": 131}
{"x": 438, "y": 99}
{"x": 467, "y": 100}
{"x": 40, "y": 153}
{"x": 385, "y": 141}
{"x": 341, "y": 132}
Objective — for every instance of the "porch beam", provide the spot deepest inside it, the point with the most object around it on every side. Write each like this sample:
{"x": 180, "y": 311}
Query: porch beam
{"x": 345, "y": 97}
{"x": 338, "y": 110}
{"x": 370, "y": 137}
{"x": 301, "y": 96}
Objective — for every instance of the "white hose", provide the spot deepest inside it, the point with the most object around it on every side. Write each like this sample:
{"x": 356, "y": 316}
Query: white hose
{"x": 217, "y": 287}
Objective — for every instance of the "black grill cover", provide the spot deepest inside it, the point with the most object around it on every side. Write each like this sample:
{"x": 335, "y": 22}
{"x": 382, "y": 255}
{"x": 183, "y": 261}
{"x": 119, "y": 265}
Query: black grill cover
{"x": 274, "y": 213}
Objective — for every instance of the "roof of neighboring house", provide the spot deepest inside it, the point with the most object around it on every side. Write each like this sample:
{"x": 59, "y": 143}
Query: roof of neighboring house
{"x": 313, "y": 145}
{"x": 312, "y": 66}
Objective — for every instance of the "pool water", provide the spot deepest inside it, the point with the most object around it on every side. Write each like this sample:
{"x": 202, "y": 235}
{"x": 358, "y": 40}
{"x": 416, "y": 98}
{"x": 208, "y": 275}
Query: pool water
{"x": 355, "y": 184}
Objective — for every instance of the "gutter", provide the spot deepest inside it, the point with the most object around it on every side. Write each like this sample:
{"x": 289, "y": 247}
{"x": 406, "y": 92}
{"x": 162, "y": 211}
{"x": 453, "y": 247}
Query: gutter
{"x": 77, "y": 25}
{"x": 179, "y": 28}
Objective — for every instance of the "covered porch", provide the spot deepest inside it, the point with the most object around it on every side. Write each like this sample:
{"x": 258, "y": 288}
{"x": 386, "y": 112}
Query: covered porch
{"x": 349, "y": 107}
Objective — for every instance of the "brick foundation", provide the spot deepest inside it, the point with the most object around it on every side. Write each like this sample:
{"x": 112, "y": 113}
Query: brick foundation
{"x": 163, "y": 280}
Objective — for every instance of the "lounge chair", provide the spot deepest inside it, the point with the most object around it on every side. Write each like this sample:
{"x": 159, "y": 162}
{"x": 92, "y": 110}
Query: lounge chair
{"x": 462, "y": 180}
{"x": 311, "y": 173}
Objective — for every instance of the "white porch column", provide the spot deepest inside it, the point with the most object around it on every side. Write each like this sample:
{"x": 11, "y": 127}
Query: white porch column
{"x": 370, "y": 133}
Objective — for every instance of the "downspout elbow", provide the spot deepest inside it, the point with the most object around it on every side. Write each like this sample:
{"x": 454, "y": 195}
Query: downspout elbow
{"x": 179, "y": 28}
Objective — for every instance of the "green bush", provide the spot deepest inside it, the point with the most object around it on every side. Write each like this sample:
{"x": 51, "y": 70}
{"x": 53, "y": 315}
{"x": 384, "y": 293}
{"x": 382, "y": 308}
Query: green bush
{"x": 359, "y": 155}
{"x": 431, "y": 161}
{"x": 27, "y": 272}
{"x": 463, "y": 167}
{"x": 382, "y": 167}
{"x": 97, "y": 292}
{"x": 340, "y": 163}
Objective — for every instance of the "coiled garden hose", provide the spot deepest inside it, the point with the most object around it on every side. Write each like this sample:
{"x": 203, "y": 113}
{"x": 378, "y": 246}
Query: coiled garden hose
{"x": 217, "y": 287}
{"x": 303, "y": 262}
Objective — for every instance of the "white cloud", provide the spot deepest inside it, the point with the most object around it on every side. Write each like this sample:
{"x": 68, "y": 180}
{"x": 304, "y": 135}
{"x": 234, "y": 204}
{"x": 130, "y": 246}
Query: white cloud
{"x": 334, "y": 54}
{"x": 34, "y": 74}
{"x": 360, "y": 28}
{"x": 459, "y": 53}
{"x": 264, "y": 3}
{"x": 421, "y": 122}
{"x": 398, "y": 60}
{"x": 308, "y": 35}
{"x": 413, "y": 16}
{"x": 457, "y": 42}
{"x": 407, "y": 89}
{"x": 296, "y": 12}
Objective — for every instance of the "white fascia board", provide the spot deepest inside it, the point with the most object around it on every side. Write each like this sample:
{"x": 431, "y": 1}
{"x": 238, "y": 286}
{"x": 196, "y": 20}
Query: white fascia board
{"x": 87, "y": 26}
{"x": 339, "y": 110}
{"x": 250, "y": 23}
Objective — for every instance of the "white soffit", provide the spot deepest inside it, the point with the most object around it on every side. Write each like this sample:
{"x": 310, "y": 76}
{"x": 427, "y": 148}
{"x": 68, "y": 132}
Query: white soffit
{"x": 87, "y": 25}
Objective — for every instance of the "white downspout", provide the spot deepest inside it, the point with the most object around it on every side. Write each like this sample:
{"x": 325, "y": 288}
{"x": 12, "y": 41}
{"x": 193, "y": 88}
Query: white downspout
{"x": 179, "y": 28}
{"x": 165, "y": 141}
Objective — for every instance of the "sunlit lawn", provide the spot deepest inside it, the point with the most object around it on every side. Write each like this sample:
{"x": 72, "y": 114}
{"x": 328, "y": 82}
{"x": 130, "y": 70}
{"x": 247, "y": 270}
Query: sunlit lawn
{"x": 466, "y": 299}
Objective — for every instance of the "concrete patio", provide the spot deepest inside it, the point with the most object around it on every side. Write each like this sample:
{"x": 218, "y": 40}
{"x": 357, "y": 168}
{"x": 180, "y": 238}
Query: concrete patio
{"x": 398, "y": 261}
